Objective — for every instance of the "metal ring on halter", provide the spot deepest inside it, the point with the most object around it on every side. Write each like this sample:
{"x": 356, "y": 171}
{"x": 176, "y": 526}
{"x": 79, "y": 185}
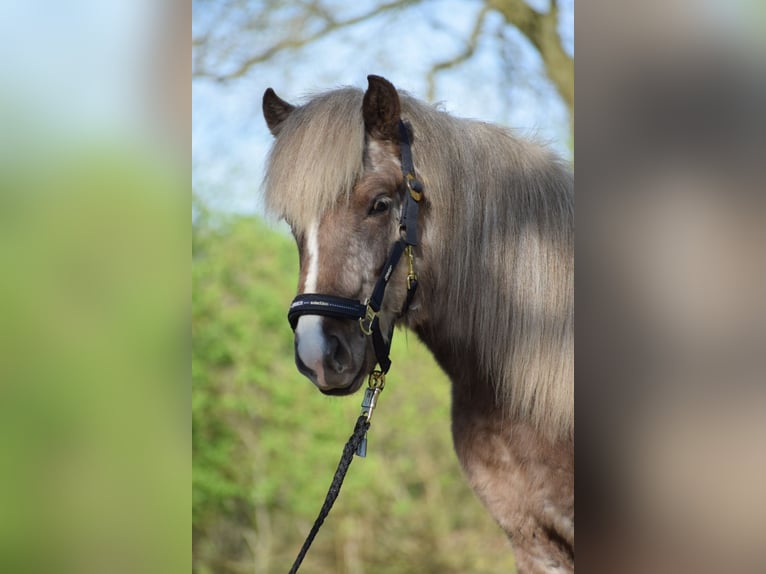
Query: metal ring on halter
{"x": 377, "y": 380}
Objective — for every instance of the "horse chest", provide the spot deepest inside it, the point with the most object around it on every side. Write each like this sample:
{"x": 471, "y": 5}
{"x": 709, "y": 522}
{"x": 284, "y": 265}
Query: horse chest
{"x": 526, "y": 482}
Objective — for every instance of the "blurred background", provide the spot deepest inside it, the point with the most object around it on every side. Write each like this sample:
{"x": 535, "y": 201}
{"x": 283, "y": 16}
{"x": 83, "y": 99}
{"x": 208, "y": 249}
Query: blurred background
{"x": 94, "y": 287}
{"x": 266, "y": 443}
{"x": 671, "y": 322}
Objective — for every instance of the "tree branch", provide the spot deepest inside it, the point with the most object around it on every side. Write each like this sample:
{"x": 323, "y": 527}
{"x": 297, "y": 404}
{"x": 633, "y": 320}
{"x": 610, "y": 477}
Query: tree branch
{"x": 330, "y": 25}
{"x": 470, "y": 48}
{"x": 541, "y": 29}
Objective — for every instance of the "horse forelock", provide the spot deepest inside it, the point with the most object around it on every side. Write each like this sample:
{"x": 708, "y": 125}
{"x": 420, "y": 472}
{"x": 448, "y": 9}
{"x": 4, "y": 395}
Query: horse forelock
{"x": 317, "y": 157}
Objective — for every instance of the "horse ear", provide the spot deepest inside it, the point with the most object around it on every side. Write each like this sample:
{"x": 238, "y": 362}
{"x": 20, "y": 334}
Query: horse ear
{"x": 275, "y": 111}
{"x": 381, "y": 109}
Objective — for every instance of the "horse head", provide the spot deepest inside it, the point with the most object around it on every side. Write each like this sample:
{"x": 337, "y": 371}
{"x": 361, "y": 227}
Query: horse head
{"x": 343, "y": 235}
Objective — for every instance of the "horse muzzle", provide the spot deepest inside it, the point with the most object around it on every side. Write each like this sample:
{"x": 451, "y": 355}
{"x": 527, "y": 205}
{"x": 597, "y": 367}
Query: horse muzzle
{"x": 333, "y": 360}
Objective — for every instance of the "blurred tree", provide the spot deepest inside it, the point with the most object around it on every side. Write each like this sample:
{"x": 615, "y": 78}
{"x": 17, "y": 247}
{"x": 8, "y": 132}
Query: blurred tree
{"x": 235, "y": 36}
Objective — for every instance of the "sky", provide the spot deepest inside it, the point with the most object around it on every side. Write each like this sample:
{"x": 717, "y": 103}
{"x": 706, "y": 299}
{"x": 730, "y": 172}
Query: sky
{"x": 230, "y": 138}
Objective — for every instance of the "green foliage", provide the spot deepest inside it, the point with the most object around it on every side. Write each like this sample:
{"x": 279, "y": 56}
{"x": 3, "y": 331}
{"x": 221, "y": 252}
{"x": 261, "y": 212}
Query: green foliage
{"x": 266, "y": 443}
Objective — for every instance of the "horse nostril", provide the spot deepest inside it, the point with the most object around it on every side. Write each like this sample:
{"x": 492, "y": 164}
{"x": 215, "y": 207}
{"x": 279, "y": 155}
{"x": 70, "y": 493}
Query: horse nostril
{"x": 335, "y": 356}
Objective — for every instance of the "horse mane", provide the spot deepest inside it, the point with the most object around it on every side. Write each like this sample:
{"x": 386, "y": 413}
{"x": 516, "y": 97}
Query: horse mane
{"x": 499, "y": 226}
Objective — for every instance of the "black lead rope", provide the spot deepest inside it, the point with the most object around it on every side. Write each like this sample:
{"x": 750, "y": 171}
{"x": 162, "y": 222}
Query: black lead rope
{"x": 360, "y": 430}
{"x": 367, "y": 315}
{"x": 356, "y": 444}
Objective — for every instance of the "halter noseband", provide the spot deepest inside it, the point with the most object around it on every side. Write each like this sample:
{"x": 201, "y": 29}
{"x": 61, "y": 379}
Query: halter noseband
{"x": 367, "y": 313}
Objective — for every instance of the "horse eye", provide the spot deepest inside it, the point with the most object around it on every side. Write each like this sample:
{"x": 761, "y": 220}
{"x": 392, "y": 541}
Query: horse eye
{"x": 379, "y": 205}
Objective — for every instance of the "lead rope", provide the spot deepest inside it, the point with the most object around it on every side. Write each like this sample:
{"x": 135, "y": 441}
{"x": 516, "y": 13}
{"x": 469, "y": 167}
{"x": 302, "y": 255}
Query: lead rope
{"x": 357, "y": 444}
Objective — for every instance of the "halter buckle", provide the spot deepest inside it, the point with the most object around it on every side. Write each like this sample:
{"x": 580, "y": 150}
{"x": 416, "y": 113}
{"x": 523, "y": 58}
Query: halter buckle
{"x": 365, "y": 323}
{"x": 415, "y": 187}
{"x": 412, "y": 277}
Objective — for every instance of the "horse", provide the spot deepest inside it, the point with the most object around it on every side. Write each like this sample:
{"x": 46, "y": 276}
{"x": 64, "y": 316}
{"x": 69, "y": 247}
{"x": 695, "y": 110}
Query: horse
{"x": 495, "y": 264}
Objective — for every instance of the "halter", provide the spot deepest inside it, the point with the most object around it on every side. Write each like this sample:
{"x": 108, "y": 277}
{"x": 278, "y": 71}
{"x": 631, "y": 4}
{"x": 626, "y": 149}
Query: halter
{"x": 367, "y": 313}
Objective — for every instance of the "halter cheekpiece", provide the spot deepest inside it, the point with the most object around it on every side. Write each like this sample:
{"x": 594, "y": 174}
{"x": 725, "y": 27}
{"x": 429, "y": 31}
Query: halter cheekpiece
{"x": 367, "y": 312}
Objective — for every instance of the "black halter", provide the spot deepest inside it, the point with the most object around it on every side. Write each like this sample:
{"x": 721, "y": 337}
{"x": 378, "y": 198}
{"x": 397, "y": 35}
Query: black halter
{"x": 367, "y": 313}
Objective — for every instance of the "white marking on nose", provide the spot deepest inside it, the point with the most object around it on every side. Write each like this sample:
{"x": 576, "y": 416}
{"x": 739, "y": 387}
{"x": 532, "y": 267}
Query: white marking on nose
{"x": 308, "y": 331}
{"x": 311, "y": 342}
{"x": 312, "y": 245}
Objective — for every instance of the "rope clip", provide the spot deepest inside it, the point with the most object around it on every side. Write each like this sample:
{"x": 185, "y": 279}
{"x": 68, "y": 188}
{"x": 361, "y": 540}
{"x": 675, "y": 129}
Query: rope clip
{"x": 375, "y": 384}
